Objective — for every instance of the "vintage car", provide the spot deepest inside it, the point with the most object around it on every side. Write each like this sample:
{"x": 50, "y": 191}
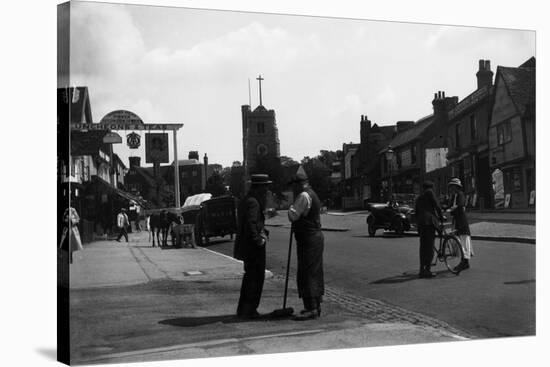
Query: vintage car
{"x": 211, "y": 217}
{"x": 390, "y": 217}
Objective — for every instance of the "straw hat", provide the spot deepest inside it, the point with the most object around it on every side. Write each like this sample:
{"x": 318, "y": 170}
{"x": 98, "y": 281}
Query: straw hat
{"x": 455, "y": 181}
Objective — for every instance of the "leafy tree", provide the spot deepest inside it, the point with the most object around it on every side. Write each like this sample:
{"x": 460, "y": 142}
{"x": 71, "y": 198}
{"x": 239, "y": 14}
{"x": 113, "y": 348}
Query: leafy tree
{"x": 215, "y": 185}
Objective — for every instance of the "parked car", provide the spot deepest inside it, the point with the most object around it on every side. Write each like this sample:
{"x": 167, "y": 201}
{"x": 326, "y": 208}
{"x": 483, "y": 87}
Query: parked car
{"x": 390, "y": 217}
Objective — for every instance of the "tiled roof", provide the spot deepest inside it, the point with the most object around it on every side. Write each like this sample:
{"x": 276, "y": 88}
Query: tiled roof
{"x": 520, "y": 83}
{"x": 413, "y": 133}
{"x": 187, "y": 162}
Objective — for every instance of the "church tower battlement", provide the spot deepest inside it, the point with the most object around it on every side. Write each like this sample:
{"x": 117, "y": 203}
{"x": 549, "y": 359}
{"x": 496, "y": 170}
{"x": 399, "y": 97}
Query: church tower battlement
{"x": 260, "y": 133}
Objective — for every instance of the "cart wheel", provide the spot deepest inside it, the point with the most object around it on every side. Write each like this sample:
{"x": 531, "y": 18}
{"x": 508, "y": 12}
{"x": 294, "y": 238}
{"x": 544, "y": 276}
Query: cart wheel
{"x": 372, "y": 229}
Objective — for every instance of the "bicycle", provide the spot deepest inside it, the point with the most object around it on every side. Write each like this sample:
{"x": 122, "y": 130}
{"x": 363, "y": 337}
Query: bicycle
{"x": 450, "y": 249}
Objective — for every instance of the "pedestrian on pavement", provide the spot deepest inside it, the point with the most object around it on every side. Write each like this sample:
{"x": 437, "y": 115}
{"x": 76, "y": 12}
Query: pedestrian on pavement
{"x": 250, "y": 244}
{"x": 70, "y": 237}
{"x": 122, "y": 224}
{"x": 428, "y": 216}
{"x": 460, "y": 222}
{"x": 305, "y": 215}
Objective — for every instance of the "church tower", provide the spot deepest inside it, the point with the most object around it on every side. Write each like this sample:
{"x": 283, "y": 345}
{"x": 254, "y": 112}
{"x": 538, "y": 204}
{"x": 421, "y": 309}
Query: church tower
{"x": 260, "y": 134}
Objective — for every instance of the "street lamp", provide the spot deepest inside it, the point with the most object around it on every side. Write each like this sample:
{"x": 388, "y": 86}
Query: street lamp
{"x": 389, "y": 157}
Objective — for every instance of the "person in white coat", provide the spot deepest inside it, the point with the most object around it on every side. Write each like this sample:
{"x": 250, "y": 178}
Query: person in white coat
{"x": 122, "y": 224}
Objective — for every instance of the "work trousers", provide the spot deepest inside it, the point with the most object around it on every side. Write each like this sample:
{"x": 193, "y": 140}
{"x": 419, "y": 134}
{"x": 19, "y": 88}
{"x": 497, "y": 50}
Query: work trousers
{"x": 253, "y": 282}
{"x": 122, "y": 232}
{"x": 427, "y": 239}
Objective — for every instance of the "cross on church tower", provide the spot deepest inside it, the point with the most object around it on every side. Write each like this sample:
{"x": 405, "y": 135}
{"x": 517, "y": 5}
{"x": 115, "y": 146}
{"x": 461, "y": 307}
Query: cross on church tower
{"x": 259, "y": 79}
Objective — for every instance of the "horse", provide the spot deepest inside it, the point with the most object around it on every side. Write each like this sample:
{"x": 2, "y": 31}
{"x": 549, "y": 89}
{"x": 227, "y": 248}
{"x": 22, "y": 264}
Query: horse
{"x": 160, "y": 224}
{"x": 154, "y": 224}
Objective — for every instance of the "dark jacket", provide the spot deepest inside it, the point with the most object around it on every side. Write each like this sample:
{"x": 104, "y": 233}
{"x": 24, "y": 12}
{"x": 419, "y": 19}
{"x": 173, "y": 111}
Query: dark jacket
{"x": 459, "y": 213}
{"x": 428, "y": 211}
{"x": 250, "y": 231}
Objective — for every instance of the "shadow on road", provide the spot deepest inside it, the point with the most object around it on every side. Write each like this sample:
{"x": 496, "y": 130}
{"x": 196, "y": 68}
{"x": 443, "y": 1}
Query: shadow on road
{"x": 527, "y": 281}
{"x": 412, "y": 275}
{"x": 388, "y": 235}
{"x": 205, "y": 320}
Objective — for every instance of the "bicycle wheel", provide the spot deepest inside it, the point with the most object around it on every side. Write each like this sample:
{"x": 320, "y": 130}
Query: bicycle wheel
{"x": 452, "y": 253}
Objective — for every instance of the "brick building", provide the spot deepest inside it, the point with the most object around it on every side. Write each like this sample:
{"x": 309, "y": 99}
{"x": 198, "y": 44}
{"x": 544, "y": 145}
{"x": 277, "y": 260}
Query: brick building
{"x": 468, "y": 153}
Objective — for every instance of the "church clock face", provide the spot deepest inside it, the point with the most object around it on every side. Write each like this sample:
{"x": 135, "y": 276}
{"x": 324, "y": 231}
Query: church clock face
{"x": 261, "y": 149}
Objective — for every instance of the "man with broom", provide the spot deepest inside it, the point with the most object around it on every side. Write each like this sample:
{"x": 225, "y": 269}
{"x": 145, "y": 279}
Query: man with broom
{"x": 250, "y": 245}
{"x": 305, "y": 215}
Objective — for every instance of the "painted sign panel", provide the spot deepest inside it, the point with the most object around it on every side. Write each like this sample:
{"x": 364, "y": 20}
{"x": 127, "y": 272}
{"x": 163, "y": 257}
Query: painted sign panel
{"x": 156, "y": 148}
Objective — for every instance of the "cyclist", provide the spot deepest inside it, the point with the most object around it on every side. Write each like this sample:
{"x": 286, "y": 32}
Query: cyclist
{"x": 428, "y": 216}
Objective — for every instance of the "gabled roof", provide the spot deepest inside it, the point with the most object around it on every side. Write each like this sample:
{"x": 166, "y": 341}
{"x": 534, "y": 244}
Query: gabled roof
{"x": 74, "y": 104}
{"x": 147, "y": 175}
{"x": 412, "y": 133}
{"x": 521, "y": 85}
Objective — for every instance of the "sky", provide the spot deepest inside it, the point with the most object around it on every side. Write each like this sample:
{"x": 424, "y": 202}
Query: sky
{"x": 320, "y": 75}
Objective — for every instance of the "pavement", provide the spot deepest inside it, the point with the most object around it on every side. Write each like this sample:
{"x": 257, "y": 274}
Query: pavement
{"x": 131, "y": 302}
{"x": 488, "y": 226}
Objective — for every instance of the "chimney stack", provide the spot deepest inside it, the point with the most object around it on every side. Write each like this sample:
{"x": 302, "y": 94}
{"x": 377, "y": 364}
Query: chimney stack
{"x": 193, "y": 154}
{"x": 134, "y": 162}
{"x": 404, "y": 125}
{"x": 484, "y": 74}
{"x": 205, "y": 159}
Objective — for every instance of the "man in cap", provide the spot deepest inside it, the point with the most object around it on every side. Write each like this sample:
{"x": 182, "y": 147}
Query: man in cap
{"x": 122, "y": 224}
{"x": 250, "y": 245}
{"x": 428, "y": 216}
{"x": 305, "y": 215}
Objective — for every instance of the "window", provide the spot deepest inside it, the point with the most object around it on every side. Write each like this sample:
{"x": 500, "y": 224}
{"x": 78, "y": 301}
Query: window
{"x": 398, "y": 156}
{"x": 261, "y": 128}
{"x": 457, "y": 135}
{"x": 504, "y": 133}
{"x": 413, "y": 154}
{"x": 473, "y": 127}
{"x": 194, "y": 173}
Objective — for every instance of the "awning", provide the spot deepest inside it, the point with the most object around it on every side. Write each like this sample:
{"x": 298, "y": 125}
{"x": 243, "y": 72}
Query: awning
{"x": 123, "y": 194}
{"x": 196, "y": 200}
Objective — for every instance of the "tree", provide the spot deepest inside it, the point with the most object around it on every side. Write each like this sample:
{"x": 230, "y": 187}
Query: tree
{"x": 215, "y": 185}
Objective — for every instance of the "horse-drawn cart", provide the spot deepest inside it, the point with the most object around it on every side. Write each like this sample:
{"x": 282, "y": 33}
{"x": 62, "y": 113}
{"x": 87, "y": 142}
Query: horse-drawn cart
{"x": 211, "y": 217}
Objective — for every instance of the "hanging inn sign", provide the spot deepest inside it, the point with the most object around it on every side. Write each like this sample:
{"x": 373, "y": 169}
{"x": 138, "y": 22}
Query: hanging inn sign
{"x": 156, "y": 143}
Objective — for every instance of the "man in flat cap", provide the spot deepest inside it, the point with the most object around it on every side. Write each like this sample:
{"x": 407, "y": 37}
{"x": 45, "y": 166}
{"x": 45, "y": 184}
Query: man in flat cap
{"x": 305, "y": 215}
{"x": 250, "y": 243}
{"x": 428, "y": 216}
